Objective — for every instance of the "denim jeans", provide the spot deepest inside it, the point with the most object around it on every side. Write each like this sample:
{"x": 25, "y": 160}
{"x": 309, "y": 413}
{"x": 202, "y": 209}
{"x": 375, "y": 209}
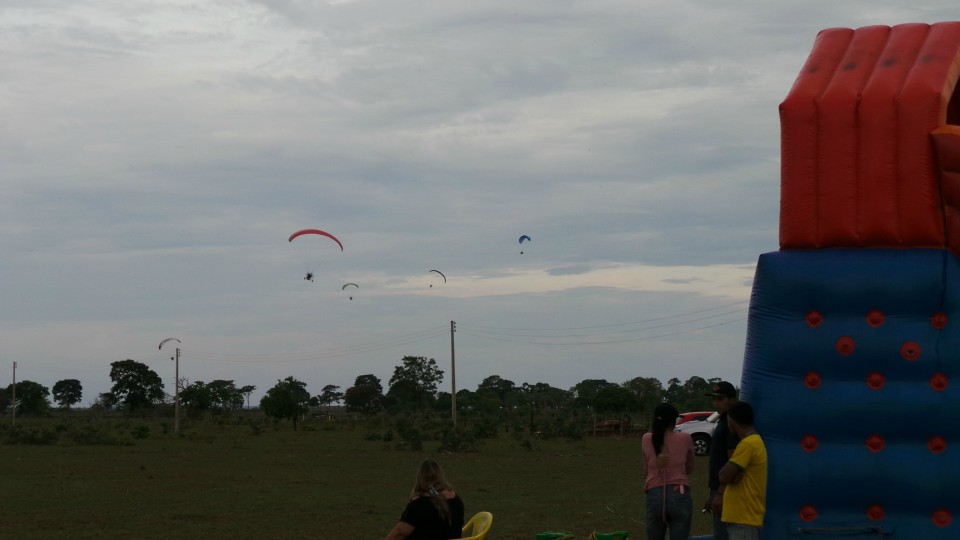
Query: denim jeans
{"x": 667, "y": 508}
{"x": 743, "y": 532}
{"x": 719, "y": 527}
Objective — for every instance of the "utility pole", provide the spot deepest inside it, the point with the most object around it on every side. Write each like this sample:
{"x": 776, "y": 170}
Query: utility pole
{"x": 176, "y": 391}
{"x": 13, "y": 391}
{"x": 453, "y": 376}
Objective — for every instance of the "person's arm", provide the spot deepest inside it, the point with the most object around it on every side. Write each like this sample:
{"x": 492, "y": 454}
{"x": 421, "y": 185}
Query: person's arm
{"x": 716, "y": 503}
{"x": 400, "y": 531}
{"x": 646, "y": 450}
{"x": 691, "y": 459}
{"x": 732, "y": 470}
{"x": 730, "y": 473}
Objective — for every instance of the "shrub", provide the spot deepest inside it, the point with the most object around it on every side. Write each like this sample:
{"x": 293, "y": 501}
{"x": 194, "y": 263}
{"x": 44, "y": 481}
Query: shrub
{"x": 411, "y": 438}
{"x": 37, "y": 435}
{"x": 484, "y": 428}
{"x": 97, "y": 435}
{"x": 457, "y": 440}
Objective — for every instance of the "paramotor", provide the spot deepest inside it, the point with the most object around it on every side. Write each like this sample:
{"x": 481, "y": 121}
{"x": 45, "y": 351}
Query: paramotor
{"x": 441, "y": 275}
{"x": 522, "y": 240}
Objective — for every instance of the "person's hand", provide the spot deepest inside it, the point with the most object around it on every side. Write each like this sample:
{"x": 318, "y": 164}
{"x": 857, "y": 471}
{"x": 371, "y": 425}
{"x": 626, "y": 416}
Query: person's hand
{"x": 716, "y": 505}
{"x": 707, "y": 504}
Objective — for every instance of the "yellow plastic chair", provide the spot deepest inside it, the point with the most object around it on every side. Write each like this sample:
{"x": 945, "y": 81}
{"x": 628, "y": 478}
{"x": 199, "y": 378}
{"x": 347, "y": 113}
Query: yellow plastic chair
{"x": 477, "y": 527}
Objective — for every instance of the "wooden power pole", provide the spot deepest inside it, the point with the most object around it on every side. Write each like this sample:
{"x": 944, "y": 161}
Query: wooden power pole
{"x": 13, "y": 398}
{"x": 176, "y": 382}
{"x": 453, "y": 376}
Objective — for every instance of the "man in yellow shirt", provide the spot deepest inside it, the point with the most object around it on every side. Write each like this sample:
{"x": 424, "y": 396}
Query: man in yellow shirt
{"x": 745, "y": 476}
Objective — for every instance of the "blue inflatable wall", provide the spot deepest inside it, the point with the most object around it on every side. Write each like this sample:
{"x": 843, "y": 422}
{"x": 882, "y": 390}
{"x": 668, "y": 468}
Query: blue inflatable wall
{"x": 851, "y": 364}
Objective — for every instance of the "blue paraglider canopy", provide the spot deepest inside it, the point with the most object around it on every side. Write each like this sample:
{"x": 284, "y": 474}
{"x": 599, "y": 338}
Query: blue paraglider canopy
{"x": 522, "y": 238}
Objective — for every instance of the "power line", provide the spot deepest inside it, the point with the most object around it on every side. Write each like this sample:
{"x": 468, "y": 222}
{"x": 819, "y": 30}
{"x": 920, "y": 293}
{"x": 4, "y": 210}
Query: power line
{"x": 604, "y": 342}
{"x": 528, "y": 336}
{"x": 306, "y": 356}
{"x": 566, "y": 334}
{"x": 653, "y": 319}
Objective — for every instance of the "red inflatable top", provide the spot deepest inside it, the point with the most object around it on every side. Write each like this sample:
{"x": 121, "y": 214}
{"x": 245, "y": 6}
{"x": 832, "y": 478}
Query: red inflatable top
{"x": 870, "y": 155}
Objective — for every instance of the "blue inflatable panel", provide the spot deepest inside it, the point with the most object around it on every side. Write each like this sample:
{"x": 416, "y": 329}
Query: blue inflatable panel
{"x": 852, "y": 364}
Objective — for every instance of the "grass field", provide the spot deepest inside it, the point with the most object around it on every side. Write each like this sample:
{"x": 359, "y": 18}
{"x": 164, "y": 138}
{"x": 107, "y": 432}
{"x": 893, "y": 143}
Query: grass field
{"x": 326, "y": 481}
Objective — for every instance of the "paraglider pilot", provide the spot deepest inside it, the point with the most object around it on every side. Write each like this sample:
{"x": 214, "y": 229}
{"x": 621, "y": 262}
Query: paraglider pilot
{"x": 309, "y": 276}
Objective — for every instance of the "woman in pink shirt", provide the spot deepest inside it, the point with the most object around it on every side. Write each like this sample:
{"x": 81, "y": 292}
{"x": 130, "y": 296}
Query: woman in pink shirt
{"x": 668, "y": 459}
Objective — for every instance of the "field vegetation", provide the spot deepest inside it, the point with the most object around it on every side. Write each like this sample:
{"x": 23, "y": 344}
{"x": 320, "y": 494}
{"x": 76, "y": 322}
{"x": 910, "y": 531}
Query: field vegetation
{"x": 83, "y": 474}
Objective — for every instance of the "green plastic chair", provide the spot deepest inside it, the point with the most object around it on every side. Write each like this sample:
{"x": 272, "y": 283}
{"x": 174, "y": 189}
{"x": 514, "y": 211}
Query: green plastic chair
{"x": 478, "y": 526}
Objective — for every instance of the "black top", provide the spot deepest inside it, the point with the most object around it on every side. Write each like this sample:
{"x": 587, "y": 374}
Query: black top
{"x": 426, "y": 520}
{"x": 723, "y": 441}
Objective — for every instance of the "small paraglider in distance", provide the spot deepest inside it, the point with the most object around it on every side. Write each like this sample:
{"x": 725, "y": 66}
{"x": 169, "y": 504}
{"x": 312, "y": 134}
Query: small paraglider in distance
{"x": 166, "y": 340}
{"x": 521, "y": 241}
{"x": 309, "y": 276}
{"x": 345, "y": 285}
{"x": 441, "y": 275}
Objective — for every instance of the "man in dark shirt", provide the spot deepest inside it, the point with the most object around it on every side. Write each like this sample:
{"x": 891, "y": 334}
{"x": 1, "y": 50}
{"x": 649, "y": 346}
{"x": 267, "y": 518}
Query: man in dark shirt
{"x": 721, "y": 448}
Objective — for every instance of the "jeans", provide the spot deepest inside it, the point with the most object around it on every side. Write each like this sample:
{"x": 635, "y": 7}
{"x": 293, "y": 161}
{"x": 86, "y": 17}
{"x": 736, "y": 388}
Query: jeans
{"x": 668, "y": 508}
{"x": 743, "y": 532}
{"x": 719, "y": 527}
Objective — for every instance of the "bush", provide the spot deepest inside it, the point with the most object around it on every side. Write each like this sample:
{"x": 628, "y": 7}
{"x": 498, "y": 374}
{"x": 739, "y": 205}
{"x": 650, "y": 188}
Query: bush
{"x": 37, "y": 435}
{"x": 522, "y": 441}
{"x": 457, "y": 440}
{"x": 484, "y": 428}
{"x": 411, "y": 438}
{"x": 97, "y": 435}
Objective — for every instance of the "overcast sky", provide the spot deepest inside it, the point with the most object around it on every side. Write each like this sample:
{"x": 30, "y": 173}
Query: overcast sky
{"x": 156, "y": 155}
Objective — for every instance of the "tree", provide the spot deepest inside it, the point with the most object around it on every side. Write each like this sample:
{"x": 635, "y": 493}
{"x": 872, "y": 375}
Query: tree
{"x": 196, "y": 397}
{"x": 4, "y": 400}
{"x": 496, "y": 386}
{"x": 135, "y": 386}
{"x": 329, "y": 395}
{"x": 218, "y": 395}
{"x": 414, "y": 382}
{"x": 246, "y": 391}
{"x": 106, "y": 400}
{"x": 366, "y": 395}
{"x": 67, "y": 392}
{"x": 287, "y": 399}
{"x": 224, "y": 395}
{"x": 691, "y": 395}
{"x": 648, "y": 392}
{"x": 614, "y": 398}
{"x": 586, "y": 391}
{"x": 544, "y": 397}
{"x": 31, "y": 398}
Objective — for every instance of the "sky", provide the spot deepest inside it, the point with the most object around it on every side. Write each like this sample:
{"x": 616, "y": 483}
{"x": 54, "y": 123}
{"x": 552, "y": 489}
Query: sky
{"x": 156, "y": 155}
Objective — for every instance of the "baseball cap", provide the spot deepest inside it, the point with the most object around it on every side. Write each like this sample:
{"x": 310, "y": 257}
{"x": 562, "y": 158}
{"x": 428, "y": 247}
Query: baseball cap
{"x": 723, "y": 389}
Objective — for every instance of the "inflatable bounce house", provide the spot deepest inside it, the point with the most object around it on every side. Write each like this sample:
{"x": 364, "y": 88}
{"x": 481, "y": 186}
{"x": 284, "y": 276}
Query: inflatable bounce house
{"x": 852, "y": 357}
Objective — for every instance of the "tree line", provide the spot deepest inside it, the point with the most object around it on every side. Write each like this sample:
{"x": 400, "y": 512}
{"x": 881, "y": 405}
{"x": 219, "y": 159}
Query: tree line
{"x": 413, "y": 387}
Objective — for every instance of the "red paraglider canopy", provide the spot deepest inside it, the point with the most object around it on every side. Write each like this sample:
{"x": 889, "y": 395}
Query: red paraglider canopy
{"x": 315, "y": 231}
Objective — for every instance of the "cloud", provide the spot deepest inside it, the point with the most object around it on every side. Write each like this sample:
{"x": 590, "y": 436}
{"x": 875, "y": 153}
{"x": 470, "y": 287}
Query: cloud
{"x": 158, "y": 154}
